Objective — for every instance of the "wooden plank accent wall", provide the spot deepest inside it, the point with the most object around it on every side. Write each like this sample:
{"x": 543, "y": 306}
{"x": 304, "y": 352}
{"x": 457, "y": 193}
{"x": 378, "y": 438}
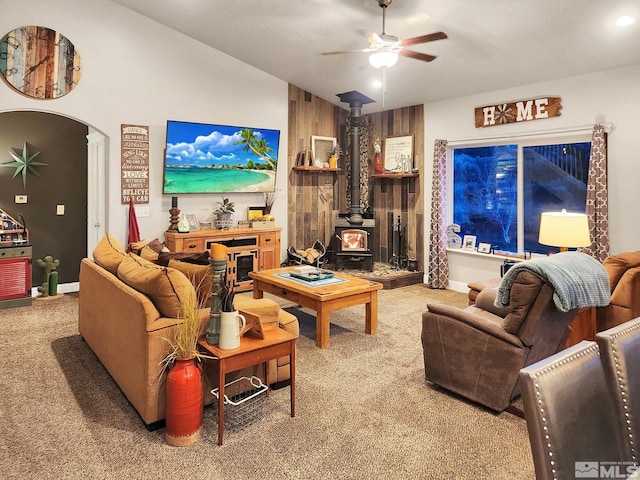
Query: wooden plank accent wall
{"x": 315, "y": 199}
{"x": 393, "y": 197}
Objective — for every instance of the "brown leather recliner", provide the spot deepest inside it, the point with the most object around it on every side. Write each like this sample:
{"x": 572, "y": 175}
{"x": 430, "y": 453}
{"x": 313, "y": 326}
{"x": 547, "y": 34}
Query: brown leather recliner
{"x": 624, "y": 279}
{"x": 477, "y": 352}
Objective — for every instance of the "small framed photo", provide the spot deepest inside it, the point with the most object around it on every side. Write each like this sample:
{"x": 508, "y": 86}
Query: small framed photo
{"x": 194, "y": 226}
{"x": 484, "y": 247}
{"x": 254, "y": 212}
{"x": 469, "y": 242}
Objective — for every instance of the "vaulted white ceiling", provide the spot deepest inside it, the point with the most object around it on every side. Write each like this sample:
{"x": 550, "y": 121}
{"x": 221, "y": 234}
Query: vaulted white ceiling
{"x": 492, "y": 44}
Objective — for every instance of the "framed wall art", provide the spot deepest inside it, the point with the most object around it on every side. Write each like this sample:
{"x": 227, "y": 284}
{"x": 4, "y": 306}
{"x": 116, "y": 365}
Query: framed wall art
{"x": 398, "y": 154}
{"x": 321, "y": 146}
{"x": 39, "y": 62}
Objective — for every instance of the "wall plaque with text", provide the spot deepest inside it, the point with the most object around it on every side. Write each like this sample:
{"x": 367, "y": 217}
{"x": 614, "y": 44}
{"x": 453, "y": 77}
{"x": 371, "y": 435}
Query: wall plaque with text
{"x": 134, "y": 163}
{"x": 518, "y": 111}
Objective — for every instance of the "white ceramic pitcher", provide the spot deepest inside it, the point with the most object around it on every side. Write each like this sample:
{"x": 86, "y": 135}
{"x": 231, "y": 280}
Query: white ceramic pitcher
{"x": 232, "y": 324}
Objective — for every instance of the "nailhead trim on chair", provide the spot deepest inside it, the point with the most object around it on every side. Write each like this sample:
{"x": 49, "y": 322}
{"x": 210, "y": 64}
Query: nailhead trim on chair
{"x": 539, "y": 397}
{"x": 624, "y": 388}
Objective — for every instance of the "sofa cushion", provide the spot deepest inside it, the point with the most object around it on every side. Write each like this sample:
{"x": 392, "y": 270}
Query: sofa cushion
{"x": 109, "y": 253}
{"x": 166, "y": 287}
{"x": 200, "y": 277}
{"x": 616, "y": 265}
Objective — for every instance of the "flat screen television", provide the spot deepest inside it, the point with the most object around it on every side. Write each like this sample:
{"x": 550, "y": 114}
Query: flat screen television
{"x": 207, "y": 158}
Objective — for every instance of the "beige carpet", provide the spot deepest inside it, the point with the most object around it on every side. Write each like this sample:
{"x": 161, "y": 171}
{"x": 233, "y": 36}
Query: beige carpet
{"x": 363, "y": 410}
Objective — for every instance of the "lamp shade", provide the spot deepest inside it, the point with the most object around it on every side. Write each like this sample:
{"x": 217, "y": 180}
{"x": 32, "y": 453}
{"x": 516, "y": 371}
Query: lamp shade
{"x": 383, "y": 58}
{"x": 564, "y": 229}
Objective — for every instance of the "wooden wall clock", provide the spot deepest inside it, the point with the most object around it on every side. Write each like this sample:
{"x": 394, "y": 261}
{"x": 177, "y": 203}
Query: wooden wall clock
{"x": 39, "y": 62}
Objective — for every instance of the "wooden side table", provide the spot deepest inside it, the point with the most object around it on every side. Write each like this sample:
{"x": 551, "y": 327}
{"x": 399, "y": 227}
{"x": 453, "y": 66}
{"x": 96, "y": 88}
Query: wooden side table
{"x": 583, "y": 326}
{"x": 277, "y": 343}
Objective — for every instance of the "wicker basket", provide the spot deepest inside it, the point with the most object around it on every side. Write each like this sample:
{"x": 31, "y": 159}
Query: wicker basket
{"x": 244, "y": 401}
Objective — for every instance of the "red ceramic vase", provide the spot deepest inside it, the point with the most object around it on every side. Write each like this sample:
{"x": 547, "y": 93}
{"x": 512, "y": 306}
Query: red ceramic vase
{"x": 184, "y": 403}
{"x": 377, "y": 164}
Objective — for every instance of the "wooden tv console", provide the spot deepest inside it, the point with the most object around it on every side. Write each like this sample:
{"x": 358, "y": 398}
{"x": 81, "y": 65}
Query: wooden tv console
{"x": 250, "y": 249}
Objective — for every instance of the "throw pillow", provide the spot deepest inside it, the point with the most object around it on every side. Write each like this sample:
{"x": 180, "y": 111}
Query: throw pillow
{"x": 109, "y": 253}
{"x": 200, "y": 258}
{"x": 156, "y": 246}
{"x": 148, "y": 253}
{"x": 135, "y": 247}
{"x": 200, "y": 277}
{"x": 166, "y": 287}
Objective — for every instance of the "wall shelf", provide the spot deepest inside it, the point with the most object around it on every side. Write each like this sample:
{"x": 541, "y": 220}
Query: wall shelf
{"x": 394, "y": 175}
{"x": 316, "y": 169}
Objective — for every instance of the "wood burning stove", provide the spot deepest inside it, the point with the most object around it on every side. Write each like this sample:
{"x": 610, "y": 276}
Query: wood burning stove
{"x": 351, "y": 242}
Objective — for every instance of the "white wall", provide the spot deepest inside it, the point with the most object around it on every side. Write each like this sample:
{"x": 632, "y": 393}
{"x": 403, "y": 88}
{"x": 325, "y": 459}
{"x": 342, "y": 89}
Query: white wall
{"x": 135, "y": 71}
{"x": 607, "y": 97}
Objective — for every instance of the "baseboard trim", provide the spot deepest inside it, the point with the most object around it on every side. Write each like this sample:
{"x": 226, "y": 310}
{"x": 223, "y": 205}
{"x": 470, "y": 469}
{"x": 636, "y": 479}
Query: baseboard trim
{"x": 71, "y": 287}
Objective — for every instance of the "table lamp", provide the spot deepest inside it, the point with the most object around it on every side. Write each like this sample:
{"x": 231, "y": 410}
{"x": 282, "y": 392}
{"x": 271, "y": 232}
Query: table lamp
{"x": 565, "y": 230}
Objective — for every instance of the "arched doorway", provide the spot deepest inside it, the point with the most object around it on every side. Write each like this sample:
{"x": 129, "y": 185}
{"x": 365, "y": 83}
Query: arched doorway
{"x": 66, "y": 199}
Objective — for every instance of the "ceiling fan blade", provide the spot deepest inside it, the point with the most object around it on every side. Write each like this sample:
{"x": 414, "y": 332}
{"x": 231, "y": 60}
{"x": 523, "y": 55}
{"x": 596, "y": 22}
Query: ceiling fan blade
{"x": 374, "y": 38}
{"x": 418, "y": 56}
{"x": 407, "y": 42}
{"x": 361, "y": 50}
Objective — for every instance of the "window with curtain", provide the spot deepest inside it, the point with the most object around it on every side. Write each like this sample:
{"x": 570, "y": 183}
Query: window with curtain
{"x": 500, "y": 191}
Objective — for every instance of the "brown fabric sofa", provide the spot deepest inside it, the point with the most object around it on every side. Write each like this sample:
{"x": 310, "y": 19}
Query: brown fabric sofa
{"x": 477, "y": 352}
{"x": 624, "y": 279}
{"x": 127, "y": 330}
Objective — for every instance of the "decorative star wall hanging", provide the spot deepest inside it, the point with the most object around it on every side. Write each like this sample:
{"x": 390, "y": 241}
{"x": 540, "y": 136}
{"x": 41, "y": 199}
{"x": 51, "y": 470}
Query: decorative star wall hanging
{"x": 23, "y": 164}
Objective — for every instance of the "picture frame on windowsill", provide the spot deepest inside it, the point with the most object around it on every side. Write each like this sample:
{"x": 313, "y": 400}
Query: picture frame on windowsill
{"x": 484, "y": 247}
{"x": 469, "y": 243}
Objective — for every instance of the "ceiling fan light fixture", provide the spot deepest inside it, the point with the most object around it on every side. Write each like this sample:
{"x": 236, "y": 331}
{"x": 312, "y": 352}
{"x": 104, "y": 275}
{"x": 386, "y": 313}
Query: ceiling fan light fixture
{"x": 383, "y": 59}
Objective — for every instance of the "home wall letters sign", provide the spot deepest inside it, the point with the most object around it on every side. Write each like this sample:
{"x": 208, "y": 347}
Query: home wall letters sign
{"x": 518, "y": 111}
{"x": 134, "y": 163}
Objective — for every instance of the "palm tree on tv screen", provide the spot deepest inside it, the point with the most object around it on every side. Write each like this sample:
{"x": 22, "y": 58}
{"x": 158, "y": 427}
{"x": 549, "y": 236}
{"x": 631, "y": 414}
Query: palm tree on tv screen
{"x": 258, "y": 146}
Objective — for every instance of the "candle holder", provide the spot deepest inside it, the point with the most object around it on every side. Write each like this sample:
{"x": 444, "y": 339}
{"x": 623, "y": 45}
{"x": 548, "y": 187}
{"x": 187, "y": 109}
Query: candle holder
{"x": 218, "y": 269}
{"x": 175, "y": 218}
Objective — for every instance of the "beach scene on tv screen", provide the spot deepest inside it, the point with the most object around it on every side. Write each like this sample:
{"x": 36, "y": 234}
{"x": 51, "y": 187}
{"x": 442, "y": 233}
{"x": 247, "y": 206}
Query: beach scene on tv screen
{"x": 203, "y": 158}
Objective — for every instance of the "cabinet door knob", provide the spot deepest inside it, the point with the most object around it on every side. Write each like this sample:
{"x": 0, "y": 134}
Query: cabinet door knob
{"x": 192, "y": 246}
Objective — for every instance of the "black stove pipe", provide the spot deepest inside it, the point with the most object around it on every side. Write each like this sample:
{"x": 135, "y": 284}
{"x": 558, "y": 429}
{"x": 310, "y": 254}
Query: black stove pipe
{"x": 355, "y": 101}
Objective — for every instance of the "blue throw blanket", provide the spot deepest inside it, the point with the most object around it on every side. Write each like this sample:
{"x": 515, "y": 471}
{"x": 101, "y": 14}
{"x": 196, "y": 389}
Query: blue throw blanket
{"x": 578, "y": 280}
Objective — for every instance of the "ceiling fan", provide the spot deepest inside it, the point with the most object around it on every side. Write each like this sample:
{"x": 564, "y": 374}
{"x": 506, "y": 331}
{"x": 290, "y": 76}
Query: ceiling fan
{"x": 385, "y": 48}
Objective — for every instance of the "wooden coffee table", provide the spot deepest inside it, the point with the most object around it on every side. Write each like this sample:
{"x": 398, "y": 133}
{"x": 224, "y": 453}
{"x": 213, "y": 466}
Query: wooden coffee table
{"x": 277, "y": 343}
{"x": 321, "y": 298}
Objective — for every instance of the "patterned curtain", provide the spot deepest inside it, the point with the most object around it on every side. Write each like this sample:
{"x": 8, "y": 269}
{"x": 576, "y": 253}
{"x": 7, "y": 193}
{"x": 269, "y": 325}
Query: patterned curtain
{"x": 597, "y": 196}
{"x": 438, "y": 276}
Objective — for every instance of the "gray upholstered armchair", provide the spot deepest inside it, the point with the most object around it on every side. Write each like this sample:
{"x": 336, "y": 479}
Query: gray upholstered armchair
{"x": 477, "y": 352}
{"x": 571, "y": 417}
